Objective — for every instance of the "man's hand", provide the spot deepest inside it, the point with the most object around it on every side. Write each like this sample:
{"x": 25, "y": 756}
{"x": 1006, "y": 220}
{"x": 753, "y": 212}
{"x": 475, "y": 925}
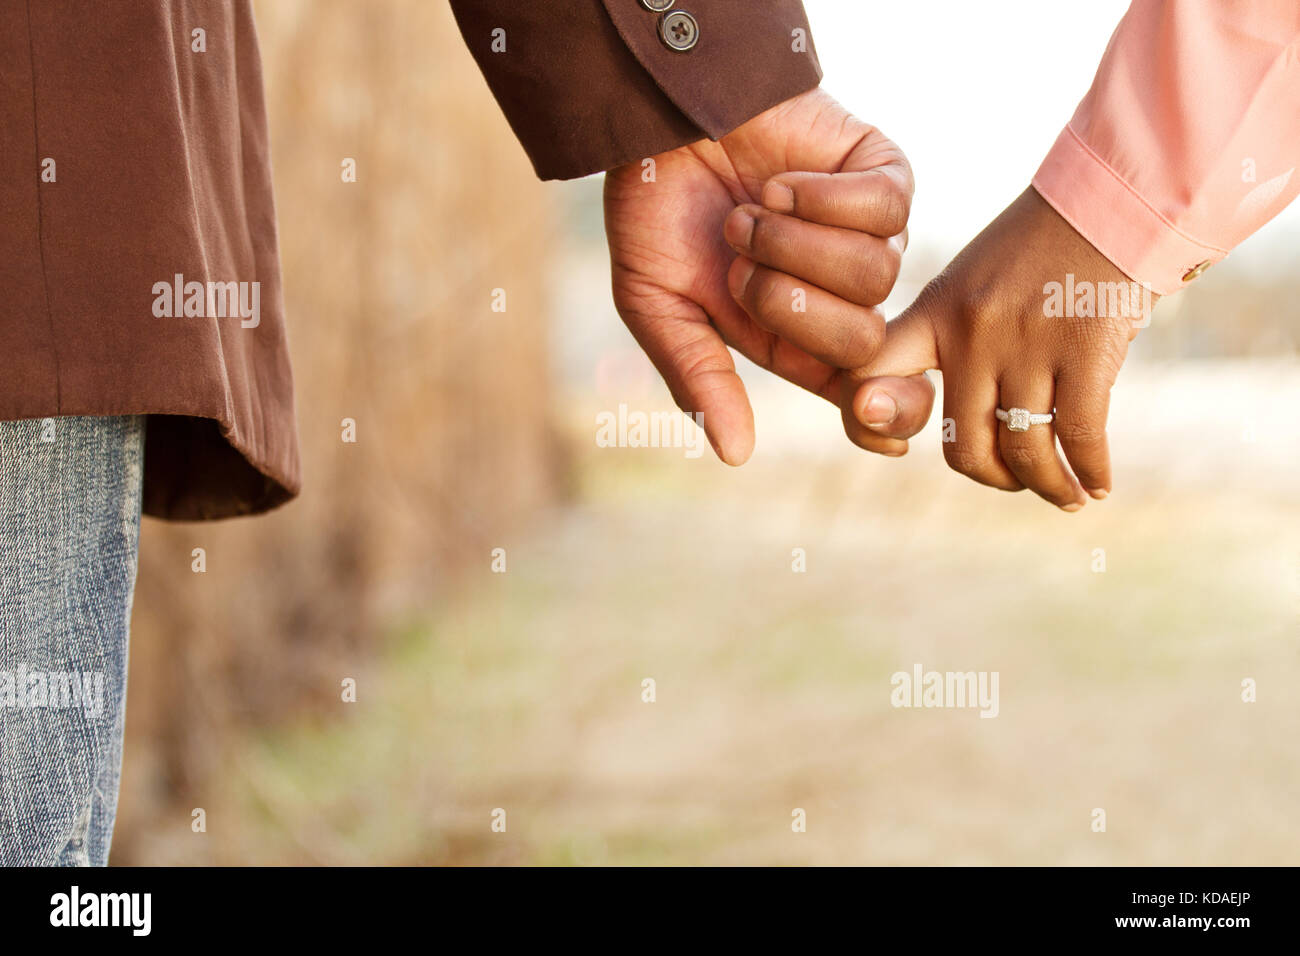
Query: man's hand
{"x": 1029, "y": 315}
{"x": 831, "y": 223}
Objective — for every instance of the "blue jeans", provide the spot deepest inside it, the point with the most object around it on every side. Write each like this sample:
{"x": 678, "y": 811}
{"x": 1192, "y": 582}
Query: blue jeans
{"x": 69, "y": 540}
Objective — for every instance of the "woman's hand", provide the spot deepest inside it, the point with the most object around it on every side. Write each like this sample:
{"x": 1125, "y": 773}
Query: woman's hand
{"x": 1029, "y": 315}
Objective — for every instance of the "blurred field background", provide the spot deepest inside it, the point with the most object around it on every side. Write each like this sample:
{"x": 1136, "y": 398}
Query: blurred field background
{"x": 1119, "y": 690}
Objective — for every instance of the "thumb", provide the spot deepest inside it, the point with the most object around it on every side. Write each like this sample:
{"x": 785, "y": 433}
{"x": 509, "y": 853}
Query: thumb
{"x": 893, "y": 382}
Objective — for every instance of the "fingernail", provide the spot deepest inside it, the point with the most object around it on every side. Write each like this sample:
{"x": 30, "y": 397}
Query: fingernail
{"x": 1098, "y": 493}
{"x": 740, "y": 281}
{"x": 1072, "y": 507}
{"x": 881, "y": 408}
{"x": 739, "y": 229}
{"x": 778, "y": 197}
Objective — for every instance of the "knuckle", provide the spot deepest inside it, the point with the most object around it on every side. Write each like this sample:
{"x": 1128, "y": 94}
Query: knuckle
{"x": 893, "y": 260}
{"x": 891, "y": 264}
{"x": 984, "y": 313}
{"x": 1079, "y": 433}
{"x": 1024, "y": 458}
{"x": 901, "y": 206}
{"x": 1093, "y": 362}
{"x": 968, "y": 461}
{"x": 889, "y": 205}
{"x": 703, "y": 365}
{"x": 690, "y": 358}
{"x": 766, "y": 295}
{"x": 860, "y": 338}
{"x": 766, "y": 236}
{"x": 693, "y": 359}
{"x": 872, "y": 276}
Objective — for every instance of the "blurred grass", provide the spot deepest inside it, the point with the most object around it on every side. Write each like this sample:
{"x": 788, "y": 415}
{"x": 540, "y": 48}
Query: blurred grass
{"x": 1118, "y": 690}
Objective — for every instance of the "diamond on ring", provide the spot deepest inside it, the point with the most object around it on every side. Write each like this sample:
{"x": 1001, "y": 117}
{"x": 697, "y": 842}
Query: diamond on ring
{"x": 1019, "y": 419}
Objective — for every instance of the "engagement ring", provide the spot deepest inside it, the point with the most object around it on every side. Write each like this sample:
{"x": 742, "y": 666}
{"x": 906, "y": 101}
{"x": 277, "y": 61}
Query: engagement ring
{"x": 1019, "y": 419}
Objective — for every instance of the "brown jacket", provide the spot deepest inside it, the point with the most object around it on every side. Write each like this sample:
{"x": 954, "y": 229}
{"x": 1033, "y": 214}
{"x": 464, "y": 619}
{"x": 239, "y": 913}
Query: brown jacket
{"x": 139, "y": 270}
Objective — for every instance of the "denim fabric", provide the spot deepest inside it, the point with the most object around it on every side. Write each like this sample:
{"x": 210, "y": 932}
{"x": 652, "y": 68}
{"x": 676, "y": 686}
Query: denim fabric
{"x": 69, "y": 539}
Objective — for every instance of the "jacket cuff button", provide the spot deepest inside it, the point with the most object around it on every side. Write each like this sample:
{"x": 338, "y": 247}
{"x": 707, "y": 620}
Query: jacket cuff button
{"x": 679, "y": 31}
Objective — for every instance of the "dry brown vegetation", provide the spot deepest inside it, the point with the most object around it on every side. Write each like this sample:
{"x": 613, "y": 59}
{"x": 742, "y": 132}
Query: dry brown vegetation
{"x": 388, "y": 287}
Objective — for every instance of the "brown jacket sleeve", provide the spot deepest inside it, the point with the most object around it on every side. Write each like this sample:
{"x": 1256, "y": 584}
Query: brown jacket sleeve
{"x": 588, "y": 85}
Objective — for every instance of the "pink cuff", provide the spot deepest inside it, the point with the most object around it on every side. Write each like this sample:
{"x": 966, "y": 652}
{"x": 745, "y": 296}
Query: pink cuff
{"x": 1123, "y": 227}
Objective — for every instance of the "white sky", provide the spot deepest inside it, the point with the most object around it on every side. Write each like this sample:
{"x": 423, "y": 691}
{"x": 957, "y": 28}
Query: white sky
{"x": 974, "y": 91}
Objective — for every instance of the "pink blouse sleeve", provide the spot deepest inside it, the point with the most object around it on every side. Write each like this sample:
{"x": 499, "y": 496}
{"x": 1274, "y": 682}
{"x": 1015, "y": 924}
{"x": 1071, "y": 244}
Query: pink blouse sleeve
{"x": 1189, "y": 138}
